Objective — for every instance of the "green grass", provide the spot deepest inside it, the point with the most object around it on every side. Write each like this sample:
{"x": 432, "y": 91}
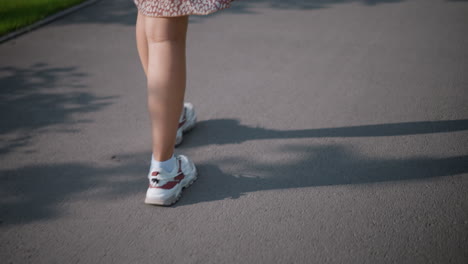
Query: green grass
{"x": 15, "y": 14}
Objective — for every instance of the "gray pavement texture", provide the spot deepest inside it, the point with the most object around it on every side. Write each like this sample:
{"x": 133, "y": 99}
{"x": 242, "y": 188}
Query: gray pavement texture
{"x": 329, "y": 132}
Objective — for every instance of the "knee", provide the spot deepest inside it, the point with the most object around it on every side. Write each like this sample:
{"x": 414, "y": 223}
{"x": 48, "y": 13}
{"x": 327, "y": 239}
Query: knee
{"x": 171, "y": 30}
{"x": 169, "y": 37}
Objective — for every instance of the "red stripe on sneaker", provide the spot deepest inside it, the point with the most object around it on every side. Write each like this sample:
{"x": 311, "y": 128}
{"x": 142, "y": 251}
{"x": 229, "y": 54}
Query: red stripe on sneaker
{"x": 168, "y": 185}
{"x": 171, "y": 184}
{"x": 180, "y": 166}
{"x": 179, "y": 177}
{"x": 181, "y": 123}
{"x": 184, "y": 119}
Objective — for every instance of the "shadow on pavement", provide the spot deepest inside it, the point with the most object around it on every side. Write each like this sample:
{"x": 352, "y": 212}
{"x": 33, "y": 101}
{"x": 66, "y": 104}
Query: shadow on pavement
{"x": 321, "y": 166}
{"x": 39, "y": 96}
{"x": 38, "y": 192}
{"x": 230, "y": 131}
{"x": 26, "y": 199}
{"x": 123, "y": 12}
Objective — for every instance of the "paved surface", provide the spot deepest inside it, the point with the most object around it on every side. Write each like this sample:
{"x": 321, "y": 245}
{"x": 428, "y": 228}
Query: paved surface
{"x": 330, "y": 132}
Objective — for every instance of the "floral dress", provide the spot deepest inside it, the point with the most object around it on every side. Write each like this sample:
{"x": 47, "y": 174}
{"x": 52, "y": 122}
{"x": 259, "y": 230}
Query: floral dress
{"x": 173, "y": 8}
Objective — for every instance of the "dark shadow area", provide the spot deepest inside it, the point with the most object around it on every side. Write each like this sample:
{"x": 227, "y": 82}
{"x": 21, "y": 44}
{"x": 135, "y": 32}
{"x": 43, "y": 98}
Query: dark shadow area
{"x": 124, "y": 12}
{"x": 230, "y": 131}
{"x": 311, "y": 4}
{"x": 322, "y": 165}
{"x": 35, "y": 193}
{"x": 41, "y": 96}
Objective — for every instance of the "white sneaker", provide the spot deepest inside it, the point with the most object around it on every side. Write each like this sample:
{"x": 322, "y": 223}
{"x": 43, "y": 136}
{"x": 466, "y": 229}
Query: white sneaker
{"x": 187, "y": 121}
{"x": 165, "y": 188}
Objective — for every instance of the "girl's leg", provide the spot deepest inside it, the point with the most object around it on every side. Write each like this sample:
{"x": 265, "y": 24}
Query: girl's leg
{"x": 166, "y": 77}
{"x": 142, "y": 42}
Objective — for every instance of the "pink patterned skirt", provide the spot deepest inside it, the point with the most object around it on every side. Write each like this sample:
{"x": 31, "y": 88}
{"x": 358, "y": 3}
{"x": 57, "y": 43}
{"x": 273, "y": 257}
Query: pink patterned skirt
{"x": 173, "y": 8}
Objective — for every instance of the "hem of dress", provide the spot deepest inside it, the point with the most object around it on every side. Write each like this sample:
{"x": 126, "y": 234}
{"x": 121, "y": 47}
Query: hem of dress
{"x": 188, "y": 14}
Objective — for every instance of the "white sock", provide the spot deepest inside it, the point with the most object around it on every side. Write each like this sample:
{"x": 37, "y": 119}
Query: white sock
{"x": 167, "y": 165}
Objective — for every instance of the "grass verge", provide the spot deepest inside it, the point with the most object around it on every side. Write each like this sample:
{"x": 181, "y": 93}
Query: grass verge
{"x": 15, "y": 14}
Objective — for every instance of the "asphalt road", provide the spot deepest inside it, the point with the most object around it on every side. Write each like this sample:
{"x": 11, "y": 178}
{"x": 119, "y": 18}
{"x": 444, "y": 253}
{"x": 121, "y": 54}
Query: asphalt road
{"x": 329, "y": 132}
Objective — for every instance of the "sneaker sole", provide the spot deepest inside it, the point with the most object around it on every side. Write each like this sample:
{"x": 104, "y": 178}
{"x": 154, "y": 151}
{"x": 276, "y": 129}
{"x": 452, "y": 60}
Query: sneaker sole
{"x": 173, "y": 199}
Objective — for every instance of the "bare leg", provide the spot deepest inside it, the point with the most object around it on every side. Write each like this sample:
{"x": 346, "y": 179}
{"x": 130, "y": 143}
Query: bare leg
{"x": 142, "y": 42}
{"x": 166, "y": 76}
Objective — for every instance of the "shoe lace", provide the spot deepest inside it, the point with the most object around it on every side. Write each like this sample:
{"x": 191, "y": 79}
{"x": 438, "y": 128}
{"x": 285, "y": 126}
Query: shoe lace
{"x": 154, "y": 181}
{"x": 155, "y": 178}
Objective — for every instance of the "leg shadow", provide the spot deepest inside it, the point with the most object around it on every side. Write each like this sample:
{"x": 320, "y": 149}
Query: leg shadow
{"x": 321, "y": 166}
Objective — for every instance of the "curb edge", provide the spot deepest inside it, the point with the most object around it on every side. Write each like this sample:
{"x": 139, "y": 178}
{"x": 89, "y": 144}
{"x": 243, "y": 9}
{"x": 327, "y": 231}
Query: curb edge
{"x": 45, "y": 21}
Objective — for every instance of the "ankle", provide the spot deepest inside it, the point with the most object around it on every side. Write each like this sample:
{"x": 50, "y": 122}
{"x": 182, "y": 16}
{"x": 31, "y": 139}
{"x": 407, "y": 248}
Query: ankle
{"x": 162, "y": 156}
{"x": 167, "y": 164}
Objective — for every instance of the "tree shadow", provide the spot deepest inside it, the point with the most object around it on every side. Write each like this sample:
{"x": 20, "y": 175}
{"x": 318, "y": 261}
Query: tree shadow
{"x": 37, "y": 192}
{"x": 321, "y": 165}
{"x": 41, "y": 96}
{"x": 230, "y": 131}
{"x": 25, "y": 198}
{"x": 41, "y": 192}
{"x": 123, "y": 12}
